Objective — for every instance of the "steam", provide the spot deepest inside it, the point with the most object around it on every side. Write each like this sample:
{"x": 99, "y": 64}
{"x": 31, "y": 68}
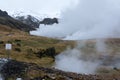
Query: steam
{"x": 89, "y": 19}
{"x": 87, "y": 58}
{"x": 70, "y": 60}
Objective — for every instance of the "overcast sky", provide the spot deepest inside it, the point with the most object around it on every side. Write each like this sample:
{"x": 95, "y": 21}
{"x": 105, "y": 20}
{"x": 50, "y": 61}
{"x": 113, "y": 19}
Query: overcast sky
{"x": 40, "y": 6}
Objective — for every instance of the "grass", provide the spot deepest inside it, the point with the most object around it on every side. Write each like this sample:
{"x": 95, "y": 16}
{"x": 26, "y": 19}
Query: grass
{"x": 22, "y": 42}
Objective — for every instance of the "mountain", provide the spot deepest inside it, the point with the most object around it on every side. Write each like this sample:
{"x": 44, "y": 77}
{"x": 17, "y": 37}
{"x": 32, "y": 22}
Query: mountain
{"x": 34, "y": 17}
{"x": 24, "y": 22}
{"x": 34, "y": 22}
{"x": 29, "y": 20}
{"x": 7, "y": 20}
{"x": 37, "y": 15}
{"x": 4, "y": 14}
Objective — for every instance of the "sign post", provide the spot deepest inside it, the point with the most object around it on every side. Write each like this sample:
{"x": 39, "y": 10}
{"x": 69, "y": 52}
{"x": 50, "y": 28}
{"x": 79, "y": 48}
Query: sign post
{"x": 19, "y": 79}
{"x": 8, "y": 47}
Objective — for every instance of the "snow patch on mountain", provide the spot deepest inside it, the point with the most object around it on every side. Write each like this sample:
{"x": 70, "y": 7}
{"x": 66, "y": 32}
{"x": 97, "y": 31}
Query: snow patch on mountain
{"x": 37, "y": 15}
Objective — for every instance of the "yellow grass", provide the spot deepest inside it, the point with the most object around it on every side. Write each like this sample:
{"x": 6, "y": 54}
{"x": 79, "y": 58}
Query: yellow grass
{"x": 29, "y": 42}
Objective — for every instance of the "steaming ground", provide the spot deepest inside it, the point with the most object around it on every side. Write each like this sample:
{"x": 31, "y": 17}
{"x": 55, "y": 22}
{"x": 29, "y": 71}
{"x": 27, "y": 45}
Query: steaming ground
{"x": 89, "y": 19}
{"x": 88, "y": 57}
{"x": 70, "y": 60}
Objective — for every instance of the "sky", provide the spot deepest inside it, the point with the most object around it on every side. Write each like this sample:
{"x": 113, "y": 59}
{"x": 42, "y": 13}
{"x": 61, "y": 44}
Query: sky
{"x": 37, "y": 6}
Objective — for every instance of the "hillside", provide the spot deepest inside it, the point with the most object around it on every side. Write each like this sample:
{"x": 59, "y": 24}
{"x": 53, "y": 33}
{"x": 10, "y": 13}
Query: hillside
{"x": 38, "y": 54}
{"x": 25, "y": 47}
{"x": 5, "y": 19}
{"x": 23, "y": 43}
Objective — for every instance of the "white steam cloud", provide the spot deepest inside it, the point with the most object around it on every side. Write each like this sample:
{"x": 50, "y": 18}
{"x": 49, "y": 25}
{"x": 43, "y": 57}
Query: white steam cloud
{"x": 87, "y": 58}
{"x": 70, "y": 60}
{"x": 89, "y": 19}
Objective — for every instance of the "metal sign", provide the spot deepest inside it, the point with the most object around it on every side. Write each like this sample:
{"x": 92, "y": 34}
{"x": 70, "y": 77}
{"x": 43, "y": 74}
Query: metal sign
{"x": 19, "y": 79}
{"x": 8, "y": 46}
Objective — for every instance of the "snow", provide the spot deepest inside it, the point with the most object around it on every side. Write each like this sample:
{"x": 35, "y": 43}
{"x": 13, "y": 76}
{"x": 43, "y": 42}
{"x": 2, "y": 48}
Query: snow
{"x": 37, "y": 15}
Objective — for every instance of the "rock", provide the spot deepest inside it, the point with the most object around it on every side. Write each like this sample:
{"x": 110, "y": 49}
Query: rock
{"x": 49, "y": 21}
{"x": 14, "y": 68}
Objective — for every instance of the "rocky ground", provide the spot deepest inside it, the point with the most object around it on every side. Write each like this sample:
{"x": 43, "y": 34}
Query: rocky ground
{"x": 29, "y": 71}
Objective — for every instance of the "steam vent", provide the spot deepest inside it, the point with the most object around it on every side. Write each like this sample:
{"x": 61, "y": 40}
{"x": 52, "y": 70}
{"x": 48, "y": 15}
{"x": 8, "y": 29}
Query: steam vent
{"x": 60, "y": 40}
